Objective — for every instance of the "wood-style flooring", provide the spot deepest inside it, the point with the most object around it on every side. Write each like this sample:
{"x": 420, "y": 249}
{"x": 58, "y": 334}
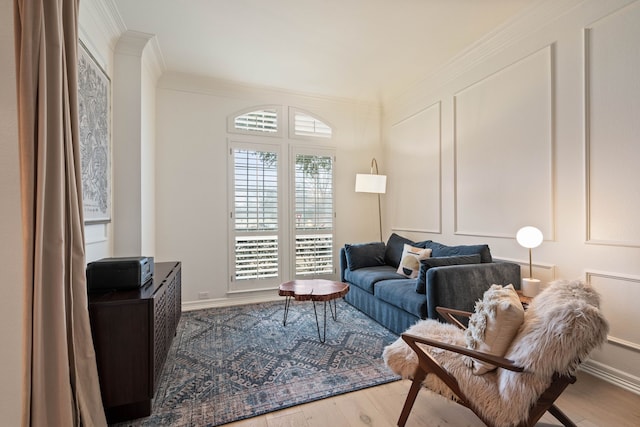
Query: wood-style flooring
{"x": 590, "y": 402}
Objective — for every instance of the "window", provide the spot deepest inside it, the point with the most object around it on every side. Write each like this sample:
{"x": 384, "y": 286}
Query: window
{"x": 263, "y": 121}
{"x": 314, "y": 214}
{"x": 306, "y": 125}
{"x": 255, "y": 214}
{"x": 281, "y": 201}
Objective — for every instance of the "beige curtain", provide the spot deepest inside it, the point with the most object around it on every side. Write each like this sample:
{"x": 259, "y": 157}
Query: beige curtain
{"x": 62, "y": 386}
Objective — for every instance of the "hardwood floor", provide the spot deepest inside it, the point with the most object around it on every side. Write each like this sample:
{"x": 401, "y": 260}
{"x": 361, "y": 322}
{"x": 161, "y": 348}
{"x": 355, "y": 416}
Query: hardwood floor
{"x": 590, "y": 402}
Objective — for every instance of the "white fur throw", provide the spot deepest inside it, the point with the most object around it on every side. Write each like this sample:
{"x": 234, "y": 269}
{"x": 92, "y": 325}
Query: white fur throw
{"x": 562, "y": 325}
{"x": 493, "y": 325}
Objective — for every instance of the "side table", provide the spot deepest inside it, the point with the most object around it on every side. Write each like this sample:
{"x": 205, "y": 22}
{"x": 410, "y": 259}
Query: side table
{"x": 314, "y": 290}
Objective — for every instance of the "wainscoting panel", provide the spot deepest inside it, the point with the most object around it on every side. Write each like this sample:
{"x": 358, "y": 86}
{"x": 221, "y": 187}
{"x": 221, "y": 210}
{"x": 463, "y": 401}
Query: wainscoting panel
{"x": 546, "y": 273}
{"x": 620, "y": 296}
{"x": 612, "y": 67}
{"x": 504, "y": 150}
{"x": 415, "y": 184}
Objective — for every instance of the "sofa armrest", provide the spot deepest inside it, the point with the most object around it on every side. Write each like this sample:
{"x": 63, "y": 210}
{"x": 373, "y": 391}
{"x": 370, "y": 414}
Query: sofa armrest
{"x": 343, "y": 263}
{"x": 460, "y": 286}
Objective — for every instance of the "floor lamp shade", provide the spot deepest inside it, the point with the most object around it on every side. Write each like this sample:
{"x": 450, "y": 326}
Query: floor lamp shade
{"x": 373, "y": 183}
{"x": 370, "y": 183}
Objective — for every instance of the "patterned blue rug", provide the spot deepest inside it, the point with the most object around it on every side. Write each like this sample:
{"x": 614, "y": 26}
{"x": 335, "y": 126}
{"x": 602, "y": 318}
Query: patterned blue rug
{"x": 232, "y": 363}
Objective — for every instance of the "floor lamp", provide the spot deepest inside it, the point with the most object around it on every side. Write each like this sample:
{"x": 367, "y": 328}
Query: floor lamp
{"x": 372, "y": 183}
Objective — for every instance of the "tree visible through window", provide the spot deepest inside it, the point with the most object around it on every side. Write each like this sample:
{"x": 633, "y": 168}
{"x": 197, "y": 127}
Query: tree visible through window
{"x": 256, "y": 214}
{"x": 313, "y": 214}
{"x": 276, "y": 233}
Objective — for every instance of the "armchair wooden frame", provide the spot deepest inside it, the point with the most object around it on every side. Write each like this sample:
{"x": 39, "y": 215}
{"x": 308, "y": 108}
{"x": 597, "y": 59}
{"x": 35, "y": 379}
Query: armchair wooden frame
{"x": 428, "y": 365}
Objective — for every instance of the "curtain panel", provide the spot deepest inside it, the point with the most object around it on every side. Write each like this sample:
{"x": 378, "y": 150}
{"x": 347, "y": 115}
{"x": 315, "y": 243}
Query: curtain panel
{"x": 60, "y": 374}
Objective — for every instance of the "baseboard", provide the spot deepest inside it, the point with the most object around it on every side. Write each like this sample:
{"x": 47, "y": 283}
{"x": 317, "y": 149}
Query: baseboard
{"x": 612, "y": 375}
{"x": 228, "y": 302}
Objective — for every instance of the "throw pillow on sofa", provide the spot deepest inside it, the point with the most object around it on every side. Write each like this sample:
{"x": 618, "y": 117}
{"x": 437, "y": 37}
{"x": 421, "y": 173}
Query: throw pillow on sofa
{"x": 364, "y": 255}
{"x": 395, "y": 246}
{"x": 410, "y": 260}
{"x": 493, "y": 325}
{"x": 439, "y": 250}
{"x": 426, "y": 264}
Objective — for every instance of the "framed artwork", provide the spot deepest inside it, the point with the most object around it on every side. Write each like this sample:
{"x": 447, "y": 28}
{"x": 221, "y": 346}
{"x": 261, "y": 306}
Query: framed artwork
{"x": 94, "y": 111}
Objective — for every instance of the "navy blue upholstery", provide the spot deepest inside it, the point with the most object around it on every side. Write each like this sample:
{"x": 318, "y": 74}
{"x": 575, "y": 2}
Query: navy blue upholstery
{"x": 426, "y": 264}
{"x": 460, "y": 286}
{"x": 365, "y": 278}
{"x": 392, "y": 300}
{"x": 365, "y": 255}
{"x": 393, "y": 318}
{"x": 402, "y": 294}
{"x": 440, "y": 250}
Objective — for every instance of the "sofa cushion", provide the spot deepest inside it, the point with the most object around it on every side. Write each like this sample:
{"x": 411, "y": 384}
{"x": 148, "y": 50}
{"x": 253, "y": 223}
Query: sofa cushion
{"x": 426, "y": 264}
{"x": 410, "y": 261}
{"x": 439, "y": 250}
{"x": 400, "y": 293}
{"x": 493, "y": 325}
{"x": 393, "y": 250}
{"x": 366, "y": 277}
{"x": 364, "y": 255}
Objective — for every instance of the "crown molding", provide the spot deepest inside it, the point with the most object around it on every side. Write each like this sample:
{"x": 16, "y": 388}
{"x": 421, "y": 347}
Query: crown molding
{"x": 144, "y": 46}
{"x": 99, "y": 28}
{"x": 520, "y": 27}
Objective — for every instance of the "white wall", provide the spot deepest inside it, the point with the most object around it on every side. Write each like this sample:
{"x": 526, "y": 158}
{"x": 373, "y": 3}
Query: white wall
{"x": 513, "y": 147}
{"x": 135, "y": 76}
{"x": 191, "y": 198}
{"x": 11, "y": 290}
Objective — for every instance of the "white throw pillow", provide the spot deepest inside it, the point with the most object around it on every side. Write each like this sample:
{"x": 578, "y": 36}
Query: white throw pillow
{"x": 493, "y": 325}
{"x": 410, "y": 260}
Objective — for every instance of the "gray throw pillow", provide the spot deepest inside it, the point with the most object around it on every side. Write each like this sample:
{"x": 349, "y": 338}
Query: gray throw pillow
{"x": 395, "y": 246}
{"x": 439, "y": 250}
{"x": 426, "y": 264}
{"x": 364, "y": 255}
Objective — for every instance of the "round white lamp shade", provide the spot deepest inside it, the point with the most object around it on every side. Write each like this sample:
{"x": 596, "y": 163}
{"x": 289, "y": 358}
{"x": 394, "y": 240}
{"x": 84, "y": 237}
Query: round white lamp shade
{"x": 529, "y": 237}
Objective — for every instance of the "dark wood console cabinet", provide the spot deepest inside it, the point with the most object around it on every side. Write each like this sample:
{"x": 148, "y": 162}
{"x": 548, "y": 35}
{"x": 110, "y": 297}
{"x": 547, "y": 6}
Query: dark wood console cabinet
{"x": 132, "y": 332}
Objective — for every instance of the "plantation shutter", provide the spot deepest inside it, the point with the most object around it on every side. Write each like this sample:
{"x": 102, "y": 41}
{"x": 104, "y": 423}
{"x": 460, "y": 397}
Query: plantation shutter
{"x": 314, "y": 214}
{"x": 256, "y": 221}
{"x": 305, "y": 125}
{"x": 258, "y": 121}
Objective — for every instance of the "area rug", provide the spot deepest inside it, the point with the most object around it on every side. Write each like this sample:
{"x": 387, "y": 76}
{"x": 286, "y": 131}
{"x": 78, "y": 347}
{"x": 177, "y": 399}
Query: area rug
{"x": 232, "y": 363}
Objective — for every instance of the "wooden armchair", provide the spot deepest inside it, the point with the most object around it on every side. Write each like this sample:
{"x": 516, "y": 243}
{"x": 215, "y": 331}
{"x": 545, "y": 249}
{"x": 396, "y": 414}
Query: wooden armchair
{"x": 561, "y": 327}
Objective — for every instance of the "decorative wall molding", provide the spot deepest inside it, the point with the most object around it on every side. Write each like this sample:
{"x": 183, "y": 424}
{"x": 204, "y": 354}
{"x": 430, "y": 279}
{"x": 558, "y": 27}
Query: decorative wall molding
{"x": 618, "y": 325}
{"x": 543, "y": 271}
{"x": 511, "y": 33}
{"x": 100, "y": 24}
{"x": 417, "y": 140}
{"x": 189, "y": 83}
{"x": 518, "y": 154}
{"x": 398, "y": 229}
{"x": 611, "y": 60}
{"x": 614, "y": 376}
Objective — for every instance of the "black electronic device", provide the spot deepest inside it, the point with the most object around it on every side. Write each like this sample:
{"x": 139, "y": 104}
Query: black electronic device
{"x": 124, "y": 273}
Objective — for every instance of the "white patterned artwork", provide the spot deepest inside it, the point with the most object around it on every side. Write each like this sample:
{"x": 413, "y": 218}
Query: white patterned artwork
{"x": 94, "y": 118}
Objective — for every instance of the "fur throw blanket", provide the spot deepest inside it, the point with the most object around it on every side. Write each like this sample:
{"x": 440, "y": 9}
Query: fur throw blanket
{"x": 562, "y": 325}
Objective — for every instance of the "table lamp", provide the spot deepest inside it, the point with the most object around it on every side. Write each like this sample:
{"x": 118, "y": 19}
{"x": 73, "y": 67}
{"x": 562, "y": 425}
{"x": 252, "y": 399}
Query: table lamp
{"x": 530, "y": 237}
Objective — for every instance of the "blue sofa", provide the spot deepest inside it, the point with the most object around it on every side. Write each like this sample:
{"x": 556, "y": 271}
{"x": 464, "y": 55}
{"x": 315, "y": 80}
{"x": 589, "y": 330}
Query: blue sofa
{"x": 454, "y": 276}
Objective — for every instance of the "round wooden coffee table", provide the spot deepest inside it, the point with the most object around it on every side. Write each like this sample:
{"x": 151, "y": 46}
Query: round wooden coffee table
{"x": 314, "y": 290}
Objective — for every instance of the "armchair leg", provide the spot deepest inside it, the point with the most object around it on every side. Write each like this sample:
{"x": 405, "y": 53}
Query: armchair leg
{"x": 560, "y": 416}
{"x": 418, "y": 377}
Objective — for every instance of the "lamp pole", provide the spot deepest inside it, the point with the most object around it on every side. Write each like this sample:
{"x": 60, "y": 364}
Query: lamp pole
{"x": 375, "y": 163}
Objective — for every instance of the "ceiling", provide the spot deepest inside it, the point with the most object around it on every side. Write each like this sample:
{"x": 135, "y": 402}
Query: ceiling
{"x": 369, "y": 50}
